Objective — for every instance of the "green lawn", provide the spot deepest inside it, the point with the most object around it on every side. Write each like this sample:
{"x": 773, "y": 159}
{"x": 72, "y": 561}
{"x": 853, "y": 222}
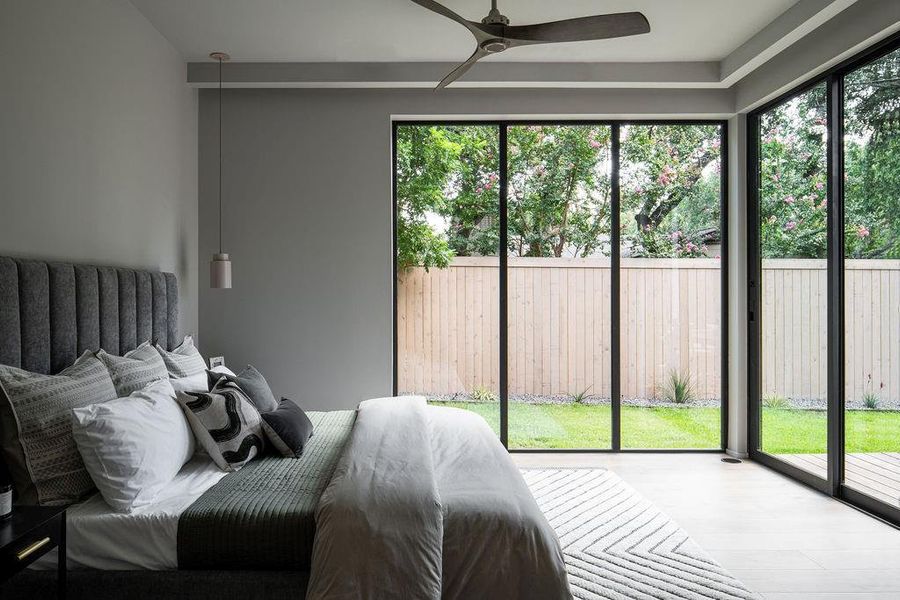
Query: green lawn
{"x": 805, "y": 431}
{"x": 588, "y": 426}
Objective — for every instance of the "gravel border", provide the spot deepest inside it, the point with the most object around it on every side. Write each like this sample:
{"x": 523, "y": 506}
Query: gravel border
{"x": 815, "y": 404}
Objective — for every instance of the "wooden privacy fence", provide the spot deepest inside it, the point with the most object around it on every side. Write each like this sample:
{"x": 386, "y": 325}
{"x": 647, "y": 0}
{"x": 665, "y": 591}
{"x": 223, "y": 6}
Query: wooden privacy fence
{"x": 559, "y": 326}
{"x": 795, "y": 329}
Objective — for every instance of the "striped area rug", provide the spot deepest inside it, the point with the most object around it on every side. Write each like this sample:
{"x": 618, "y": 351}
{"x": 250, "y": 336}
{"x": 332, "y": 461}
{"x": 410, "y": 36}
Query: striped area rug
{"x": 619, "y": 545}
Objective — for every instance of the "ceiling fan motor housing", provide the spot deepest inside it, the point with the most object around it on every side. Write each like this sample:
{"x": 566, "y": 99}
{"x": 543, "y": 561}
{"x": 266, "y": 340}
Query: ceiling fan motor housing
{"x": 494, "y": 45}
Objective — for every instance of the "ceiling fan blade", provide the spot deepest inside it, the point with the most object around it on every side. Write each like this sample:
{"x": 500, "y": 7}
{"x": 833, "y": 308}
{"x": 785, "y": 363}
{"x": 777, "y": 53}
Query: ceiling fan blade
{"x": 476, "y": 28}
{"x": 461, "y": 69}
{"x": 599, "y": 27}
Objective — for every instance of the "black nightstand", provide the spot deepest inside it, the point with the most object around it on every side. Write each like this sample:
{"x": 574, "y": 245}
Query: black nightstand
{"x": 30, "y": 533}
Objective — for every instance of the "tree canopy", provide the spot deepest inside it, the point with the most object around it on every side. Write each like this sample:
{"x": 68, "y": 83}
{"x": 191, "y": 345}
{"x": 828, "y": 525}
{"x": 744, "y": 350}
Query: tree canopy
{"x": 559, "y": 191}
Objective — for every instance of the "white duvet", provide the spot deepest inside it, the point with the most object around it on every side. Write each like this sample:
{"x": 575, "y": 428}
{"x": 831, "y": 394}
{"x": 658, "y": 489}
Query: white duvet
{"x": 426, "y": 503}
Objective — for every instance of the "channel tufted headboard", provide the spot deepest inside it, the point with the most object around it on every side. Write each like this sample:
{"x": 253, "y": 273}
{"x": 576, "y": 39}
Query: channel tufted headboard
{"x": 50, "y": 313}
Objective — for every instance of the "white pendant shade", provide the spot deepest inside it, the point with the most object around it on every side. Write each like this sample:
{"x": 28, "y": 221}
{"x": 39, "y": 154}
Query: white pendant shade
{"x": 220, "y": 267}
{"x": 220, "y": 272}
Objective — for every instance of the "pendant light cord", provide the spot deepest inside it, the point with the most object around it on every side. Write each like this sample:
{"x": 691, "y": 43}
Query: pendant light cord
{"x": 220, "y": 155}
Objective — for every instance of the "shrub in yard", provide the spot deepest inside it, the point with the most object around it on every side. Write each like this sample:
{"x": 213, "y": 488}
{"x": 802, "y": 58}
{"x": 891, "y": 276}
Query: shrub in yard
{"x": 870, "y": 400}
{"x": 679, "y": 389}
{"x": 775, "y": 401}
{"x": 482, "y": 394}
{"x": 581, "y": 396}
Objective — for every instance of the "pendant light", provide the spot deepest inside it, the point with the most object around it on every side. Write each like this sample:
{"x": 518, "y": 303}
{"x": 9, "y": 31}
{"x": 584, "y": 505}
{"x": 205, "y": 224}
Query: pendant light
{"x": 220, "y": 266}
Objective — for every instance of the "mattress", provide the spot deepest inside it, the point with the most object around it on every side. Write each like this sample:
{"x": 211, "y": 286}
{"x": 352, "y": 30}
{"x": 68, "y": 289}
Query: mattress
{"x": 275, "y": 497}
{"x": 97, "y": 537}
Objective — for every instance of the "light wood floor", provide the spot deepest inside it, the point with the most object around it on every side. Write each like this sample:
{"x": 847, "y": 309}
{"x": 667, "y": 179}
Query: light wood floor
{"x": 876, "y": 474}
{"x": 782, "y": 539}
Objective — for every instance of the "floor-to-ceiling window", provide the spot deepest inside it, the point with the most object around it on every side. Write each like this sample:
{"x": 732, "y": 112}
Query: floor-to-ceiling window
{"x": 825, "y": 281}
{"x": 671, "y": 286}
{"x": 564, "y": 279}
{"x": 559, "y": 207}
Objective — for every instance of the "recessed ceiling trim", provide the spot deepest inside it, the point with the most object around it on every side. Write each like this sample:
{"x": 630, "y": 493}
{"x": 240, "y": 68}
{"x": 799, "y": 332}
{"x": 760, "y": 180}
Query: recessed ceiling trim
{"x": 859, "y": 26}
{"x": 795, "y": 23}
{"x": 488, "y": 74}
{"x": 712, "y": 116}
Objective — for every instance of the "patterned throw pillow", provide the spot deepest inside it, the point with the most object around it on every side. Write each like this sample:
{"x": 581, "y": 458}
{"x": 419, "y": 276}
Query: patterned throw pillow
{"x": 136, "y": 370}
{"x": 183, "y": 361}
{"x": 41, "y": 406}
{"x": 225, "y": 423}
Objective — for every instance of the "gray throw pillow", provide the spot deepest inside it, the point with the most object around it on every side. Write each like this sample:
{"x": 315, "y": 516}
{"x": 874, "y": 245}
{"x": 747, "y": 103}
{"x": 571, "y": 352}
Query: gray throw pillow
{"x": 287, "y": 428}
{"x": 136, "y": 370}
{"x": 225, "y": 423}
{"x": 41, "y": 408}
{"x": 183, "y": 361}
{"x": 254, "y": 385}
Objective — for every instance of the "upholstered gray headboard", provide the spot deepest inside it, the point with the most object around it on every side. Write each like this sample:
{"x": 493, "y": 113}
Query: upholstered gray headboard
{"x": 50, "y": 313}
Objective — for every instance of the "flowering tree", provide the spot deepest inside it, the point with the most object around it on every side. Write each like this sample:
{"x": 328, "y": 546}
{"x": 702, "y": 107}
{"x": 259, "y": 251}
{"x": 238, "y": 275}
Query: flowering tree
{"x": 872, "y": 160}
{"x": 793, "y": 169}
{"x": 670, "y": 189}
{"x": 559, "y": 190}
{"x": 793, "y": 165}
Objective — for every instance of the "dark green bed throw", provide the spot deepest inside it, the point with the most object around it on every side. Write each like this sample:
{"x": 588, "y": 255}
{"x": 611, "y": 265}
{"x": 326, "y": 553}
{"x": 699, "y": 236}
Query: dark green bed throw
{"x": 263, "y": 516}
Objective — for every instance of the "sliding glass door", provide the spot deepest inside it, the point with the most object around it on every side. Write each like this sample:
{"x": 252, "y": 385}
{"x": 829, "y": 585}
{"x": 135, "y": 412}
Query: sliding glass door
{"x": 564, "y": 280}
{"x": 871, "y": 123}
{"x": 825, "y": 282}
{"x": 793, "y": 246}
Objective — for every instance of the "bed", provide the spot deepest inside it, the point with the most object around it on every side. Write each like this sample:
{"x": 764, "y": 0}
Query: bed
{"x": 395, "y": 499}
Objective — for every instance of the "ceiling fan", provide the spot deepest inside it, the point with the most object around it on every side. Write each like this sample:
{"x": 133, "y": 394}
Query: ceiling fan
{"x": 494, "y": 33}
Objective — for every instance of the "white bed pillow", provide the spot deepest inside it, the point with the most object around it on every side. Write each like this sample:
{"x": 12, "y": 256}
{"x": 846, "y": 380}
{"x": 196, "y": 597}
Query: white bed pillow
{"x": 191, "y": 383}
{"x": 133, "y": 447}
{"x": 183, "y": 361}
{"x": 198, "y": 382}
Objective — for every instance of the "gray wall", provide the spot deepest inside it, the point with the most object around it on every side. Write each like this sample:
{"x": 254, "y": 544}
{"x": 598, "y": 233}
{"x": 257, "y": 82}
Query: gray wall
{"x": 98, "y": 141}
{"x": 307, "y": 218}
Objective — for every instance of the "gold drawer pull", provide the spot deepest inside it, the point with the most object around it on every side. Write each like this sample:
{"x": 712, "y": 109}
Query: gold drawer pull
{"x": 26, "y": 552}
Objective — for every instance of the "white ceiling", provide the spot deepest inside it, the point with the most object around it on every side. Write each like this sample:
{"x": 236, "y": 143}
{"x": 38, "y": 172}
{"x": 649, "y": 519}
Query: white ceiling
{"x": 400, "y": 31}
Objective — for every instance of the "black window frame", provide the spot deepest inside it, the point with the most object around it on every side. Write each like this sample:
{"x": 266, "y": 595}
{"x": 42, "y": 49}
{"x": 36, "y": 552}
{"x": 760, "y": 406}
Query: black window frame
{"x": 833, "y": 79}
{"x": 615, "y": 126}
